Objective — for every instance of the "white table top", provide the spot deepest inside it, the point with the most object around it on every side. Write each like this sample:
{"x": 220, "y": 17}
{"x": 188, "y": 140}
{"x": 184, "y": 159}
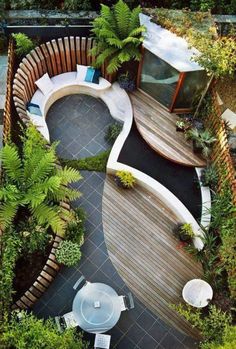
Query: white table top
{"x": 96, "y": 307}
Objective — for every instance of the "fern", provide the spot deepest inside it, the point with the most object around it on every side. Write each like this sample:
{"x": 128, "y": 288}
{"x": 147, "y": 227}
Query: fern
{"x": 11, "y": 162}
{"x": 34, "y": 182}
{"x": 118, "y": 35}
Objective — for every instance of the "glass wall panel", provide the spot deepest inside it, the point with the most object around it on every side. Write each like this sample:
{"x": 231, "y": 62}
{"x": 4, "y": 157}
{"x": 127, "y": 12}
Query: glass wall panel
{"x": 193, "y": 85}
{"x": 158, "y": 78}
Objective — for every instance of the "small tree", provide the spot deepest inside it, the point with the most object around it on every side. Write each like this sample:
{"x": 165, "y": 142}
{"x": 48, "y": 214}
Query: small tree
{"x": 118, "y": 36}
{"x": 33, "y": 184}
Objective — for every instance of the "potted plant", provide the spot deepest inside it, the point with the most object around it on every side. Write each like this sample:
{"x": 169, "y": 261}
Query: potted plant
{"x": 185, "y": 232}
{"x": 202, "y": 141}
{"x": 182, "y": 125}
{"x": 126, "y": 82}
{"x": 209, "y": 177}
{"x": 124, "y": 179}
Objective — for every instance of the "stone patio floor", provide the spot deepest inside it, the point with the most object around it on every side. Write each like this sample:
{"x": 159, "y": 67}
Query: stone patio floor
{"x": 80, "y": 123}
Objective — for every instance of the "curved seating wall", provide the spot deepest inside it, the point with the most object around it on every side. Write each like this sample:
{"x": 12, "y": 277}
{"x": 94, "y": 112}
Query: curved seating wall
{"x": 55, "y": 57}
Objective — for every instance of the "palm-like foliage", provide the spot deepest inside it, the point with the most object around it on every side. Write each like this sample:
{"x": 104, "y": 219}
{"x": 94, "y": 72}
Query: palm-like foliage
{"x": 204, "y": 140}
{"x": 33, "y": 181}
{"x": 118, "y": 35}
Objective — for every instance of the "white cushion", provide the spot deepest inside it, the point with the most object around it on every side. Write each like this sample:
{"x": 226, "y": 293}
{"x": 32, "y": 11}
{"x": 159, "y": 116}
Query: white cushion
{"x": 81, "y": 72}
{"x": 45, "y": 84}
{"x": 36, "y": 120}
{"x": 64, "y": 79}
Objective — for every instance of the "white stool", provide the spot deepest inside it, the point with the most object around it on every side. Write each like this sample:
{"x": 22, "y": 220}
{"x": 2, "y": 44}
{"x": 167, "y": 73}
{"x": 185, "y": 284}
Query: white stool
{"x": 197, "y": 293}
{"x": 102, "y": 341}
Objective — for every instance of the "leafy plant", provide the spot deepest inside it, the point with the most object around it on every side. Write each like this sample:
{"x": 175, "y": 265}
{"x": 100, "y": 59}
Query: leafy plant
{"x": 34, "y": 237}
{"x": 33, "y": 183}
{"x": 10, "y": 249}
{"x": 25, "y": 331}
{"x": 68, "y": 253}
{"x": 75, "y": 229}
{"x": 211, "y": 326}
{"x": 92, "y": 163}
{"x": 126, "y": 82}
{"x": 77, "y": 5}
{"x": 185, "y": 232}
{"x": 23, "y": 44}
{"x": 203, "y": 139}
{"x": 228, "y": 340}
{"x": 118, "y": 36}
{"x": 113, "y": 132}
{"x": 126, "y": 178}
{"x": 209, "y": 177}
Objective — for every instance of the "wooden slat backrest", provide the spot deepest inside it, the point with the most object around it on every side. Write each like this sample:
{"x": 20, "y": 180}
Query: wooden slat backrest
{"x": 52, "y": 58}
{"x": 83, "y": 51}
{"x": 89, "y": 46}
{"x": 67, "y": 52}
{"x": 42, "y": 59}
{"x": 62, "y": 54}
{"x": 73, "y": 54}
{"x": 57, "y": 56}
{"x": 47, "y": 59}
{"x": 78, "y": 50}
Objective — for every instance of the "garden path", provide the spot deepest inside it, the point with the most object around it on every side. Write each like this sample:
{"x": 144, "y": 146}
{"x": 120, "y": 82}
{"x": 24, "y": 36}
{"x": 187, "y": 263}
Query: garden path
{"x": 79, "y": 123}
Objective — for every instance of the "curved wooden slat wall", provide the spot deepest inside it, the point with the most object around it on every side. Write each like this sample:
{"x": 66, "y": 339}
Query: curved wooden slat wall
{"x": 54, "y": 57}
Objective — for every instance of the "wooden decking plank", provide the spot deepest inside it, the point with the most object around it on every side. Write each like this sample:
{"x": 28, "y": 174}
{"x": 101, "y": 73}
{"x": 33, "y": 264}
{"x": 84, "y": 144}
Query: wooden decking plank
{"x": 138, "y": 231}
{"x": 157, "y": 127}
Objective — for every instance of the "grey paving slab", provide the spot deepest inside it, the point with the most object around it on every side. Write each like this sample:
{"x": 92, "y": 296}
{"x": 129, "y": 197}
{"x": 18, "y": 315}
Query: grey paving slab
{"x": 79, "y": 122}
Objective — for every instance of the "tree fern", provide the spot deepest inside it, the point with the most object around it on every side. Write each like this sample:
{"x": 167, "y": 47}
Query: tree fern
{"x": 118, "y": 35}
{"x": 33, "y": 181}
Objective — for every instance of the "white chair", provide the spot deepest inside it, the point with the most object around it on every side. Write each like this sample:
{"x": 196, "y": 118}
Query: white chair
{"x": 102, "y": 341}
{"x": 81, "y": 282}
{"x": 126, "y": 302}
{"x": 66, "y": 321}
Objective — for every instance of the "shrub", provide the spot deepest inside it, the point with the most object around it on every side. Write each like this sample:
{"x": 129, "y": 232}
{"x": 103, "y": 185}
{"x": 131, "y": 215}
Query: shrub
{"x": 34, "y": 237}
{"x": 228, "y": 340}
{"x": 26, "y": 331}
{"x": 126, "y": 178}
{"x": 92, "y": 163}
{"x": 211, "y": 326}
{"x": 185, "y": 232}
{"x": 23, "y": 44}
{"x": 118, "y": 36}
{"x": 77, "y": 5}
{"x": 75, "y": 229}
{"x": 68, "y": 253}
{"x": 113, "y": 132}
{"x": 33, "y": 183}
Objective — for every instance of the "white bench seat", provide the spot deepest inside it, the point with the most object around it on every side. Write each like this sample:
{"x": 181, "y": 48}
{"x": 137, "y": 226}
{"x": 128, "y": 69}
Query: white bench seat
{"x": 66, "y": 84}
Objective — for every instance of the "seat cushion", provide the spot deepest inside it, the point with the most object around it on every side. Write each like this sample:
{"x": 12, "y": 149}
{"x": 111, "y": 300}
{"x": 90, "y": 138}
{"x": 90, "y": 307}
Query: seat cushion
{"x": 45, "y": 84}
{"x": 64, "y": 79}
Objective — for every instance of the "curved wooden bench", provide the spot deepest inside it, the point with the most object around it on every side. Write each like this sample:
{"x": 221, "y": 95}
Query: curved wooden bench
{"x": 56, "y": 57}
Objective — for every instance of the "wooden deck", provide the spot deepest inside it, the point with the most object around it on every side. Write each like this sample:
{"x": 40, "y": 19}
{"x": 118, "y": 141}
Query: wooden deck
{"x": 138, "y": 233}
{"x": 157, "y": 127}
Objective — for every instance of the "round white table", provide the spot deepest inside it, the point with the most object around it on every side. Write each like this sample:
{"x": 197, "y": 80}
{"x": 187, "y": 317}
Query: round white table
{"x": 96, "y": 308}
{"x": 197, "y": 293}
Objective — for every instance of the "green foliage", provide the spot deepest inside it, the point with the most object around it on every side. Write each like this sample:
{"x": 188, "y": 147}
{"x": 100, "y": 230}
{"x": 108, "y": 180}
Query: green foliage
{"x": 211, "y": 326}
{"x": 127, "y": 179}
{"x": 34, "y": 237}
{"x": 92, "y": 163}
{"x": 26, "y": 331}
{"x": 204, "y": 140}
{"x": 33, "y": 181}
{"x": 68, "y": 253}
{"x": 118, "y": 36}
{"x": 209, "y": 177}
{"x": 217, "y": 56}
{"x": 10, "y": 248}
{"x": 23, "y": 44}
{"x": 75, "y": 229}
{"x": 228, "y": 340}
{"x": 77, "y": 5}
{"x": 113, "y": 132}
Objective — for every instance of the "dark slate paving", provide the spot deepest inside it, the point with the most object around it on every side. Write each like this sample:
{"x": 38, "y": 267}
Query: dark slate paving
{"x": 79, "y": 122}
